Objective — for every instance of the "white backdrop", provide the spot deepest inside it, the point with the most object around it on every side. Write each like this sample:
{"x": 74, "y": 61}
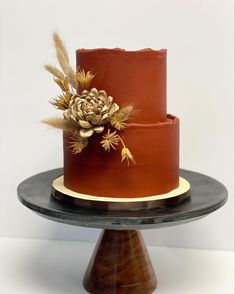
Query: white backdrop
{"x": 199, "y": 37}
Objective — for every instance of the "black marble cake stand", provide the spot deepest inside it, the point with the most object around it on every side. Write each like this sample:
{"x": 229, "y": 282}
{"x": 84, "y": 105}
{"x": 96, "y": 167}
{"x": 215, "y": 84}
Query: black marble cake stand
{"x": 120, "y": 263}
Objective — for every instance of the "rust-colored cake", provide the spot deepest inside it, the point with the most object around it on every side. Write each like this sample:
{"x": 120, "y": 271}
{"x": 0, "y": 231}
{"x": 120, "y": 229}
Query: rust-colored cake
{"x": 137, "y": 77}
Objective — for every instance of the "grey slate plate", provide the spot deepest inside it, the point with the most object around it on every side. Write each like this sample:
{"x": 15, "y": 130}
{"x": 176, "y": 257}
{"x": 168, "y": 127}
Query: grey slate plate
{"x": 207, "y": 195}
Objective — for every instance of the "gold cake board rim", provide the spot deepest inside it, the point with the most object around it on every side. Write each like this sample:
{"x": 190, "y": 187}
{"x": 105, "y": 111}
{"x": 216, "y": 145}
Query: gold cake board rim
{"x": 58, "y": 186}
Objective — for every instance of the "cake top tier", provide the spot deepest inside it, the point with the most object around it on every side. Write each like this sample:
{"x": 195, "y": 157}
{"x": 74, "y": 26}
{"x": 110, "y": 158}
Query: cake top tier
{"x": 131, "y": 77}
{"x": 118, "y": 50}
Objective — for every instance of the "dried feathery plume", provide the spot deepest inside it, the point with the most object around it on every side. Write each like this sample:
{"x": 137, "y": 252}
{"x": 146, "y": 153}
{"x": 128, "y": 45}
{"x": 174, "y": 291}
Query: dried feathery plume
{"x": 63, "y": 59}
{"x": 84, "y": 78}
{"x": 54, "y": 71}
{"x": 67, "y": 69}
{"x": 110, "y": 140}
{"x": 126, "y": 155}
{"x": 72, "y": 78}
{"x": 77, "y": 144}
{"x": 63, "y": 84}
{"x": 62, "y": 102}
{"x": 60, "y": 123}
{"x": 59, "y": 45}
{"x": 119, "y": 118}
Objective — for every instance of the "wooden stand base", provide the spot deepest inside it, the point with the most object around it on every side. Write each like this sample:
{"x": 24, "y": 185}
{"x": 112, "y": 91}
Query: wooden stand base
{"x": 120, "y": 264}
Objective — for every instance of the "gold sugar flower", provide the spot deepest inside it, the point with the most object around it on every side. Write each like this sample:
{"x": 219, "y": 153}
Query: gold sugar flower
{"x": 92, "y": 110}
{"x": 110, "y": 140}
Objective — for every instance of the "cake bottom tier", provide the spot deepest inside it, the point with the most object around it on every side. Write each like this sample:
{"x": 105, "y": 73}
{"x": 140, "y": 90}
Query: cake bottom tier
{"x": 155, "y": 148}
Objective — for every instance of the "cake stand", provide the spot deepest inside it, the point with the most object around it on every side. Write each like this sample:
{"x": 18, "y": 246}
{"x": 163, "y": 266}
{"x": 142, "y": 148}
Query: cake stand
{"x": 120, "y": 263}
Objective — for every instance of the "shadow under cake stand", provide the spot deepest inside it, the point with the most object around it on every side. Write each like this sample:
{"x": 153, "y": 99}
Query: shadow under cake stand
{"x": 120, "y": 263}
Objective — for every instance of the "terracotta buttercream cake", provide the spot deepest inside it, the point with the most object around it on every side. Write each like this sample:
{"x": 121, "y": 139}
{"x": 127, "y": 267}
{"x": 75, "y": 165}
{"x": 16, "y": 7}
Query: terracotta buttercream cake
{"x": 119, "y": 141}
{"x": 137, "y": 78}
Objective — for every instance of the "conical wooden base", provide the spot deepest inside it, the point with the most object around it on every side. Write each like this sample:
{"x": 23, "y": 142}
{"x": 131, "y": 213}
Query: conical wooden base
{"x": 120, "y": 264}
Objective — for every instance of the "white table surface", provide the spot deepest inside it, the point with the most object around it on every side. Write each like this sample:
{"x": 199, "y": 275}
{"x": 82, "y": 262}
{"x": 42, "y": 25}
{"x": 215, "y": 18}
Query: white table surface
{"x": 32, "y": 266}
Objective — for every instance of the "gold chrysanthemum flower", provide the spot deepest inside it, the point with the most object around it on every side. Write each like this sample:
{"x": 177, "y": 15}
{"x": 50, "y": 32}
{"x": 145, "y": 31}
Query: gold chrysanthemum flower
{"x": 126, "y": 155}
{"x": 92, "y": 110}
{"x": 110, "y": 140}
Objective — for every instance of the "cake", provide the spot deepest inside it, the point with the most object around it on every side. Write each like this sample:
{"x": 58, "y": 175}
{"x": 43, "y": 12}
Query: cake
{"x": 137, "y": 77}
{"x": 124, "y": 78}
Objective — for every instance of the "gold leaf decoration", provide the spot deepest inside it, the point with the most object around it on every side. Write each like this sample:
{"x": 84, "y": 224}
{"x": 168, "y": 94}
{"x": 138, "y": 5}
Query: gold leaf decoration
{"x": 118, "y": 120}
{"x": 84, "y": 78}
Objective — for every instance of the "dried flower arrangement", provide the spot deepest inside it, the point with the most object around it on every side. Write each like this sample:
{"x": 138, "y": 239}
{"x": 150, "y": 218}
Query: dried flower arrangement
{"x": 86, "y": 111}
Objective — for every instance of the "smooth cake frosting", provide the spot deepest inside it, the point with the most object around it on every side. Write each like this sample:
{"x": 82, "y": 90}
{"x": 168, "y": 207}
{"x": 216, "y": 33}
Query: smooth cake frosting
{"x": 137, "y": 78}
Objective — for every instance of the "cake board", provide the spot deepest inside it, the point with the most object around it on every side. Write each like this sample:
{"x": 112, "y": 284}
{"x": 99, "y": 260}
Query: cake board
{"x": 174, "y": 197}
{"x": 120, "y": 263}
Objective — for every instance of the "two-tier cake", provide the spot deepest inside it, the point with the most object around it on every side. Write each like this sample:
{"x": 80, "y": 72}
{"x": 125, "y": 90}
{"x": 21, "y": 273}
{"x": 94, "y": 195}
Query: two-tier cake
{"x": 109, "y": 79}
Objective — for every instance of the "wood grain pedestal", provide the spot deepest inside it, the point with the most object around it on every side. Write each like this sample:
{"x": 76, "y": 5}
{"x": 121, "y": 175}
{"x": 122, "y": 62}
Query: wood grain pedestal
{"x": 120, "y": 264}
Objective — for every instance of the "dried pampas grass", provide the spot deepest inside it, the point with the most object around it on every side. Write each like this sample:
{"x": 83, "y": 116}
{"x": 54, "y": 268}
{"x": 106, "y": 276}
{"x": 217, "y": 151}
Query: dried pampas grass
{"x": 63, "y": 84}
{"x": 59, "y": 45}
{"x": 54, "y": 71}
{"x": 63, "y": 59}
{"x": 60, "y": 123}
{"x": 67, "y": 69}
